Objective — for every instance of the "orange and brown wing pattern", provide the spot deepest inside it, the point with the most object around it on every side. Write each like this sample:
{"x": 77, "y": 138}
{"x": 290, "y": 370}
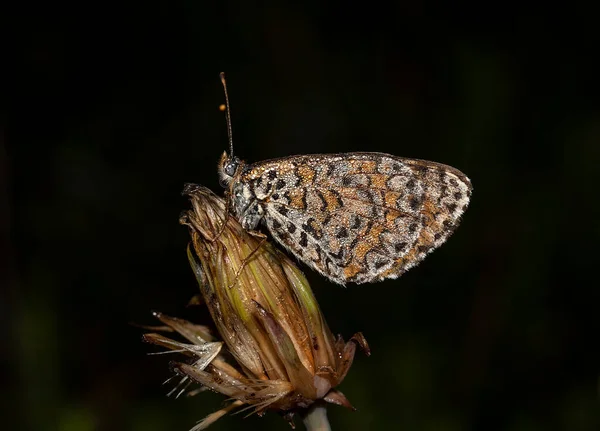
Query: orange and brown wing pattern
{"x": 359, "y": 217}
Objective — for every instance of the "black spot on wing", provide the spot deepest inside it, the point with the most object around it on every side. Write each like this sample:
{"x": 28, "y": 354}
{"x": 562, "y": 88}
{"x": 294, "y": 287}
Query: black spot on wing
{"x": 282, "y": 210}
{"x": 380, "y": 263}
{"x": 342, "y": 233}
{"x": 339, "y": 255}
{"x": 303, "y": 240}
{"x": 414, "y": 202}
{"x": 287, "y": 197}
{"x": 309, "y": 228}
{"x": 338, "y": 197}
{"x": 323, "y": 200}
{"x": 423, "y": 248}
{"x": 330, "y": 169}
{"x": 399, "y": 247}
{"x": 304, "y": 202}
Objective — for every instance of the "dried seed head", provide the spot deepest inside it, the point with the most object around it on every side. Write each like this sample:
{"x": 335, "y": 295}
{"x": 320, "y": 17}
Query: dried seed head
{"x": 265, "y": 312}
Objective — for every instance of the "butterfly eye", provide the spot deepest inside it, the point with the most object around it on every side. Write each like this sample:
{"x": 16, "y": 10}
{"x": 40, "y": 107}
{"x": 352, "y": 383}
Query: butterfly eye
{"x": 231, "y": 166}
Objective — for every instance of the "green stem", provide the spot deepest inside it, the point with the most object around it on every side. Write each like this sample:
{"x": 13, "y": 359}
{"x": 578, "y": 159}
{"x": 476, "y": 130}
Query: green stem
{"x": 316, "y": 419}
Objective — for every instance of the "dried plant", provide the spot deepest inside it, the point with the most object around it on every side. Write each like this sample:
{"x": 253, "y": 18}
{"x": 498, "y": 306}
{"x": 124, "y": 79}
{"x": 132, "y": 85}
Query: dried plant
{"x": 277, "y": 352}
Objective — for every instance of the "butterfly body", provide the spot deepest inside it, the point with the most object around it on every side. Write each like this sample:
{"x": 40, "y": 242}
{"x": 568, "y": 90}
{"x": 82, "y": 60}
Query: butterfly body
{"x": 353, "y": 217}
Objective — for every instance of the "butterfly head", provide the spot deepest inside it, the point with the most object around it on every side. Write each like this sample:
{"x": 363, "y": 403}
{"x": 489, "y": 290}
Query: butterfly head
{"x": 241, "y": 197}
{"x": 228, "y": 169}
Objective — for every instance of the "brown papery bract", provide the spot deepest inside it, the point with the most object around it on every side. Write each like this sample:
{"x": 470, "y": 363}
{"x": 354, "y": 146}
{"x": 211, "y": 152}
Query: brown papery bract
{"x": 285, "y": 357}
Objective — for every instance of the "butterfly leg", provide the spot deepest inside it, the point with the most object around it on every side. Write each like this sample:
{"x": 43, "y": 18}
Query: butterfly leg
{"x": 247, "y": 259}
{"x": 224, "y": 222}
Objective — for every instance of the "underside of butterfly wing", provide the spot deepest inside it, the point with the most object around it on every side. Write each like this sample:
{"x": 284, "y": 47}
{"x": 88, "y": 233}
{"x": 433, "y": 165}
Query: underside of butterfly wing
{"x": 358, "y": 217}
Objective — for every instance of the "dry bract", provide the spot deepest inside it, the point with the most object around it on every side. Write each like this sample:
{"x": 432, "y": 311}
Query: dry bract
{"x": 285, "y": 357}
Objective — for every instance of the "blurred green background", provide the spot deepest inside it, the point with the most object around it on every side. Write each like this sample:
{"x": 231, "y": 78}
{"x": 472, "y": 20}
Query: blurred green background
{"x": 113, "y": 107}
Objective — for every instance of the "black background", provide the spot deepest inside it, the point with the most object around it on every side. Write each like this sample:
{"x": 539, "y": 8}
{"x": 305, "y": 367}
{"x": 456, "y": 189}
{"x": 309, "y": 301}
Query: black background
{"x": 113, "y": 107}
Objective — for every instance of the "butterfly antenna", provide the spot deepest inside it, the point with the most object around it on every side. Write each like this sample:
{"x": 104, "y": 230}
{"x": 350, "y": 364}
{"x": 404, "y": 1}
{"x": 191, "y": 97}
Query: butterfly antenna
{"x": 228, "y": 114}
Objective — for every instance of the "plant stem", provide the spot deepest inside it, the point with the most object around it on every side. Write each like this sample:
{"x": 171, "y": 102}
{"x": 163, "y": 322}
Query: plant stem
{"x": 316, "y": 419}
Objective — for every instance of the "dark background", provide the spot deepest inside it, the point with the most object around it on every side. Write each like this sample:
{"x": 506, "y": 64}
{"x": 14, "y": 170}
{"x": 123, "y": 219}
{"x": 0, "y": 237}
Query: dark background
{"x": 113, "y": 107}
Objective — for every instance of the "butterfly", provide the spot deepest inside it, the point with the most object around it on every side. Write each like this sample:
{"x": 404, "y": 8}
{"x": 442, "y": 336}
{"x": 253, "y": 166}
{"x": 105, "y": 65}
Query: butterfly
{"x": 353, "y": 217}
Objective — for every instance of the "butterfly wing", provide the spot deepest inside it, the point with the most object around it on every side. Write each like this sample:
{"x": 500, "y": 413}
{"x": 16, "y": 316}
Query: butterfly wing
{"x": 359, "y": 217}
